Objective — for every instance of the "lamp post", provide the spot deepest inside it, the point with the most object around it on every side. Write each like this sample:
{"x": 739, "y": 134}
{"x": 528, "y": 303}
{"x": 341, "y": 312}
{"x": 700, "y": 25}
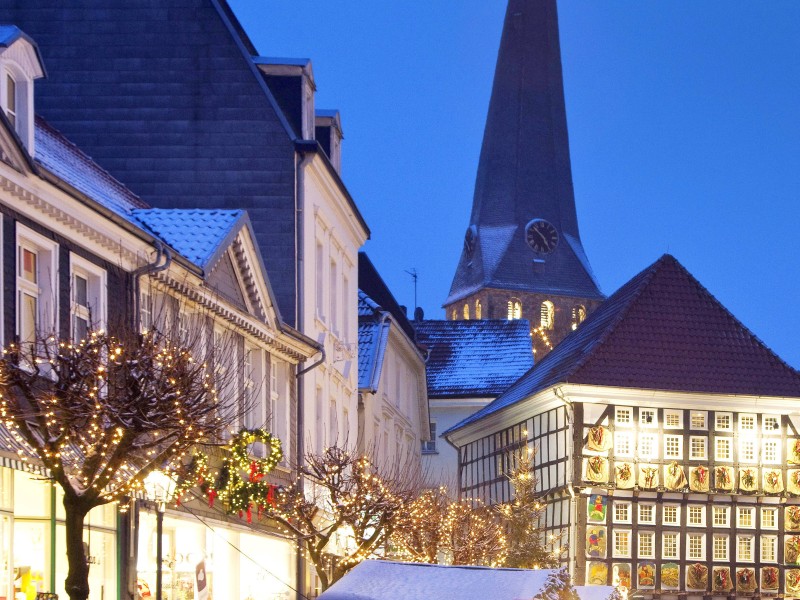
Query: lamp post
{"x": 159, "y": 488}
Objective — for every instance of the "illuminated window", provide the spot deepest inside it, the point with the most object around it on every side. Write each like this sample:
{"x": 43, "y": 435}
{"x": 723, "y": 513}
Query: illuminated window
{"x": 478, "y": 310}
{"x": 746, "y": 517}
{"x": 623, "y": 415}
{"x": 647, "y": 514}
{"x": 723, "y": 421}
{"x": 466, "y": 312}
{"x": 747, "y": 422}
{"x": 622, "y": 544}
{"x": 722, "y": 516}
{"x": 769, "y": 548}
{"x": 769, "y": 518}
{"x": 647, "y": 545}
{"x": 771, "y": 451}
{"x": 747, "y": 451}
{"x": 647, "y": 445}
{"x": 744, "y": 548}
{"x": 578, "y": 315}
{"x": 697, "y": 447}
{"x": 673, "y": 446}
{"x": 673, "y": 419}
{"x": 697, "y": 516}
{"x": 772, "y": 424}
{"x": 514, "y": 309}
{"x": 647, "y": 417}
{"x": 622, "y": 444}
{"x": 721, "y": 547}
{"x": 622, "y": 512}
{"x": 669, "y": 545}
{"x": 453, "y": 315}
{"x": 699, "y": 419}
{"x": 548, "y": 315}
{"x": 671, "y": 514}
{"x": 11, "y": 100}
{"x": 695, "y": 546}
{"x": 722, "y": 449}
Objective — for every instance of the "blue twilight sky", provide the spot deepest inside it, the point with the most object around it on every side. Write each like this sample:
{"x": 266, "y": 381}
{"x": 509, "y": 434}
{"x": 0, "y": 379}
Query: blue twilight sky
{"x": 684, "y": 130}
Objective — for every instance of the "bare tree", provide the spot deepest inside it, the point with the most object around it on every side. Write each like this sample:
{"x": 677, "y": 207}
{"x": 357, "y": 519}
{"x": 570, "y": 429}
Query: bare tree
{"x": 103, "y": 413}
{"x": 346, "y": 499}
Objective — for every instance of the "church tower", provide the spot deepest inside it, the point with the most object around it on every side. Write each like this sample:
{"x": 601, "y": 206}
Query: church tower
{"x": 522, "y": 255}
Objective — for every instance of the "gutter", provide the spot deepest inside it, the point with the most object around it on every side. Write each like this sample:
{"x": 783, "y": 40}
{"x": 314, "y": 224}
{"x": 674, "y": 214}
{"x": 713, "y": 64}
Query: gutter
{"x": 162, "y": 252}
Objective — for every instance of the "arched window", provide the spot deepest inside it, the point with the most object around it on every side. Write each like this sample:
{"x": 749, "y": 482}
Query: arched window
{"x": 548, "y": 315}
{"x": 466, "y": 312}
{"x": 478, "y": 310}
{"x": 578, "y": 315}
{"x": 514, "y": 309}
{"x": 453, "y": 315}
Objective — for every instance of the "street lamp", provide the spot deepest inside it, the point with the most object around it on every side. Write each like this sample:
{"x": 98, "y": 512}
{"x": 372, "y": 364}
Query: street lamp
{"x": 159, "y": 488}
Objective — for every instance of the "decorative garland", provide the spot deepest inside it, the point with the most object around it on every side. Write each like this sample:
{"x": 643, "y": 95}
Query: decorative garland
{"x": 240, "y": 481}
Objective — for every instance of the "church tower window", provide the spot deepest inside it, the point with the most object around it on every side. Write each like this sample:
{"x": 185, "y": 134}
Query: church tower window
{"x": 466, "y": 312}
{"x": 453, "y": 315}
{"x": 548, "y": 315}
{"x": 478, "y": 310}
{"x": 578, "y": 315}
{"x": 514, "y": 309}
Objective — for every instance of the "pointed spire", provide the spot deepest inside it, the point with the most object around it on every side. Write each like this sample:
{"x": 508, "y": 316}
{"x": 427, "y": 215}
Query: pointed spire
{"x": 524, "y": 171}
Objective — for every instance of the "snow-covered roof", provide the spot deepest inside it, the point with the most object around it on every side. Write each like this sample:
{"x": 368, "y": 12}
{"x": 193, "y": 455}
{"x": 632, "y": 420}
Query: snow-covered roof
{"x": 594, "y": 592}
{"x": 373, "y": 335}
{"x": 385, "y": 580}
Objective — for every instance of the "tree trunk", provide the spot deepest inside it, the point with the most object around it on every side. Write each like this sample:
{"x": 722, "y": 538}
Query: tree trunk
{"x": 77, "y": 582}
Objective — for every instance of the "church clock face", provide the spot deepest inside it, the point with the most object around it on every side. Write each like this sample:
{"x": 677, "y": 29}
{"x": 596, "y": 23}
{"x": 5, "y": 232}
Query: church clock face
{"x": 541, "y": 236}
{"x": 469, "y": 240}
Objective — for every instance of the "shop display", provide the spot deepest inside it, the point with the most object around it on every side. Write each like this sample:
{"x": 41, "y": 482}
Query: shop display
{"x": 596, "y": 542}
{"x": 773, "y": 481}
{"x": 624, "y": 475}
{"x": 670, "y": 576}
{"x": 648, "y": 477}
{"x": 597, "y": 469}
{"x": 646, "y": 575}
{"x": 770, "y": 579}
{"x": 596, "y": 509}
{"x": 745, "y": 580}
{"x": 699, "y": 479}
{"x": 791, "y": 520}
{"x": 597, "y": 573}
{"x": 721, "y": 579}
{"x": 674, "y": 477}
{"x": 697, "y": 577}
{"x": 724, "y": 479}
{"x": 599, "y": 439}
{"x": 748, "y": 479}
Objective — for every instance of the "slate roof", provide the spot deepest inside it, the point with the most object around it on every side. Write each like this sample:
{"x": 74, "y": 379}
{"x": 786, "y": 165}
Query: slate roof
{"x": 524, "y": 170}
{"x": 474, "y": 358}
{"x": 385, "y": 580}
{"x": 373, "y": 336}
{"x": 196, "y": 234}
{"x": 371, "y": 282}
{"x": 662, "y": 331}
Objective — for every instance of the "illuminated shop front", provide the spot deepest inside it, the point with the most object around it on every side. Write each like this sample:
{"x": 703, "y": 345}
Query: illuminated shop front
{"x": 33, "y": 540}
{"x": 240, "y": 563}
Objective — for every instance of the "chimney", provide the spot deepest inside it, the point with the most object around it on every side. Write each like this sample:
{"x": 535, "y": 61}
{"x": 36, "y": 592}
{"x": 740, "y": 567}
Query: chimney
{"x": 329, "y": 135}
{"x": 291, "y": 81}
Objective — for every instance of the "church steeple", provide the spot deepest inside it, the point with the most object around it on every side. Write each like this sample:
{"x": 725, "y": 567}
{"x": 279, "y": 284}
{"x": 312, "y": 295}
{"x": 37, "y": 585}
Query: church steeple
{"x": 523, "y": 239}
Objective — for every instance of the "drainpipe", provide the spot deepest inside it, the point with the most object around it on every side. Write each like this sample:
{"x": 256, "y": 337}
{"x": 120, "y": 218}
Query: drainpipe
{"x": 299, "y": 202}
{"x": 162, "y": 253}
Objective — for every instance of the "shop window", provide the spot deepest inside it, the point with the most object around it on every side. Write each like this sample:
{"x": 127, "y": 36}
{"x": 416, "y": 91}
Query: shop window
{"x": 723, "y": 421}
{"x": 548, "y": 315}
{"x": 673, "y": 419}
{"x": 720, "y": 548}
{"x": 722, "y": 516}
{"x": 670, "y": 545}
{"x": 578, "y": 315}
{"x": 466, "y": 312}
{"x": 514, "y": 309}
{"x": 744, "y": 548}
{"x": 696, "y": 546}
{"x": 769, "y": 518}
{"x": 478, "y": 310}
{"x": 647, "y": 417}
{"x": 697, "y": 447}
{"x": 646, "y": 545}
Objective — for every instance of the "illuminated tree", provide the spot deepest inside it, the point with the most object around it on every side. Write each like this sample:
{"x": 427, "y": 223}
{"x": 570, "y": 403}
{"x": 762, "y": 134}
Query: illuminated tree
{"x": 103, "y": 413}
{"x": 341, "y": 503}
{"x": 434, "y": 528}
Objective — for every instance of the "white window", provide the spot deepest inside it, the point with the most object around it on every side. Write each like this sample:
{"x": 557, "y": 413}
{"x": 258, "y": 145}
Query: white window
{"x": 699, "y": 419}
{"x": 744, "y": 548}
{"x": 723, "y": 421}
{"x": 254, "y": 403}
{"x": 345, "y": 333}
{"x": 37, "y": 295}
{"x": 672, "y": 514}
{"x": 334, "y": 298}
{"x": 722, "y": 516}
{"x": 771, "y": 451}
{"x": 697, "y": 515}
{"x": 670, "y": 546}
{"x": 320, "y": 272}
{"x": 747, "y": 422}
{"x": 333, "y": 424}
{"x": 745, "y": 517}
{"x": 769, "y": 518}
{"x": 88, "y": 296}
{"x": 622, "y": 543}
{"x": 673, "y": 419}
{"x": 673, "y": 446}
{"x": 622, "y": 512}
{"x": 769, "y": 548}
{"x": 623, "y": 415}
{"x": 647, "y": 514}
{"x": 772, "y": 424}
{"x": 648, "y": 417}
{"x": 646, "y": 545}
{"x": 695, "y": 546}
{"x": 697, "y": 447}
{"x": 747, "y": 451}
{"x": 11, "y": 98}
{"x": 720, "y": 547}
{"x": 622, "y": 444}
{"x": 722, "y": 449}
{"x": 647, "y": 445}
{"x": 145, "y": 310}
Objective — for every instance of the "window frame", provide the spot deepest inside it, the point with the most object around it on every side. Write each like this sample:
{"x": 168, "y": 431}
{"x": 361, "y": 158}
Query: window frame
{"x": 617, "y": 533}
{"x": 673, "y": 412}
{"x": 652, "y": 424}
{"x": 771, "y": 443}
{"x": 774, "y": 512}
{"x": 642, "y": 535}
{"x": 750, "y": 538}
{"x": 672, "y": 438}
{"x": 751, "y": 511}
{"x": 653, "y": 442}
{"x": 693, "y": 414}
{"x": 724, "y": 538}
{"x": 726, "y": 510}
{"x": 729, "y": 442}
{"x": 640, "y": 519}
{"x": 765, "y": 431}
{"x": 773, "y": 539}
{"x": 724, "y": 415}
{"x": 621, "y": 410}
{"x": 96, "y": 286}
{"x": 46, "y": 286}
{"x": 694, "y": 508}
{"x": 748, "y": 416}
{"x": 626, "y": 436}
{"x": 677, "y": 521}
{"x": 628, "y": 506}
{"x": 671, "y": 535}
{"x": 702, "y": 553}
{"x": 692, "y": 440}
{"x": 749, "y": 456}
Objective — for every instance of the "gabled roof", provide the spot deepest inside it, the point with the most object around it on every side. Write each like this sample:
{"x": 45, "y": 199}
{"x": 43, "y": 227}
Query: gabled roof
{"x": 10, "y": 34}
{"x": 199, "y": 235}
{"x": 661, "y": 331}
{"x": 474, "y": 358}
{"x": 371, "y": 282}
{"x": 385, "y": 580}
{"x": 373, "y": 336}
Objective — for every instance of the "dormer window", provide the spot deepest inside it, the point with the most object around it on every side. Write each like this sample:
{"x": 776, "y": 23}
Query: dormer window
{"x": 10, "y": 105}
